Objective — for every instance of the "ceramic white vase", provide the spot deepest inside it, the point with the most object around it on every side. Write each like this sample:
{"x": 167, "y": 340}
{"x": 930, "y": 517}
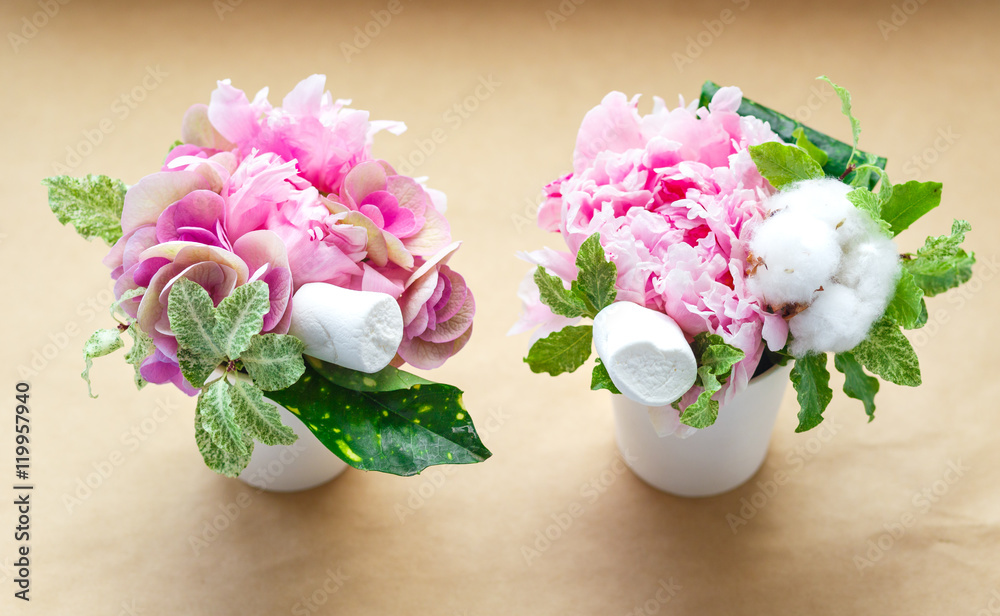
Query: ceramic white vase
{"x": 304, "y": 464}
{"x": 713, "y": 460}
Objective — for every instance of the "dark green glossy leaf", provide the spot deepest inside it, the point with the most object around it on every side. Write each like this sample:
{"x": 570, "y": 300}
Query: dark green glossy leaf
{"x": 838, "y": 151}
{"x": 401, "y": 432}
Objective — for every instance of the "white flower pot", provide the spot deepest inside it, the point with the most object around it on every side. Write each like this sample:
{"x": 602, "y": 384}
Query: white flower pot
{"x": 304, "y": 464}
{"x": 712, "y": 460}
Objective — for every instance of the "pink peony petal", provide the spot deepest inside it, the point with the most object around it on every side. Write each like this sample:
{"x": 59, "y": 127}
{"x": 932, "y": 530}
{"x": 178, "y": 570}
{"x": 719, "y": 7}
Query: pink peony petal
{"x": 152, "y": 194}
{"x": 197, "y": 129}
{"x": 429, "y": 355}
{"x": 454, "y": 327}
{"x": 231, "y": 114}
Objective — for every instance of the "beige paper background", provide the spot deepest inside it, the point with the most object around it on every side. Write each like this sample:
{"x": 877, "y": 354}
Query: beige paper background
{"x": 450, "y": 542}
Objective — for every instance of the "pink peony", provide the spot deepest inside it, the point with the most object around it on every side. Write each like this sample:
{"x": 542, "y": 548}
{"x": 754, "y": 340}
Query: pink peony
{"x": 288, "y": 195}
{"x": 323, "y": 136}
{"x": 673, "y": 195}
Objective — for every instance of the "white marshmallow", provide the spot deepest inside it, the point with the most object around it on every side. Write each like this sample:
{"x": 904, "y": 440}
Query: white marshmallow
{"x": 645, "y": 353}
{"x": 360, "y": 330}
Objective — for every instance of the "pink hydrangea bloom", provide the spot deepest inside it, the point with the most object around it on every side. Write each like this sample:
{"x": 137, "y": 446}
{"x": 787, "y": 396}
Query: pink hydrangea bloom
{"x": 288, "y": 195}
{"x": 673, "y": 194}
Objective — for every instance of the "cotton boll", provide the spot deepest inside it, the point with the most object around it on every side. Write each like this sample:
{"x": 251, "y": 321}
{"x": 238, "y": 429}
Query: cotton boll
{"x": 835, "y": 322}
{"x": 824, "y": 199}
{"x": 840, "y": 317}
{"x": 858, "y": 278}
{"x": 797, "y": 253}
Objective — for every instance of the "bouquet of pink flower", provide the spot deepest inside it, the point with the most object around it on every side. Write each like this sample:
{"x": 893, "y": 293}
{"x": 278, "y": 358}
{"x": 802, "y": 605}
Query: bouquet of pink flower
{"x": 273, "y": 247}
{"x": 715, "y": 240}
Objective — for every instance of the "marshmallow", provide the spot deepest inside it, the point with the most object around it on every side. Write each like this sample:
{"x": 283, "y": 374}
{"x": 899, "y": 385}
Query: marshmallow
{"x": 645, "y": 353}
{"x": 360, "y": 330}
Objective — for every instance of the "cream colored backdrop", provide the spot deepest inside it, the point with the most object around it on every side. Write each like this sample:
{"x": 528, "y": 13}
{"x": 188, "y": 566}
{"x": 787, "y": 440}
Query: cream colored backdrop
{"x": 551, "y": 524}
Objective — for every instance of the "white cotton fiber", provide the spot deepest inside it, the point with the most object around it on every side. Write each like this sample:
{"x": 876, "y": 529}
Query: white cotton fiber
{"x": 798, "y": 254}
{"x": 845, "y": 289}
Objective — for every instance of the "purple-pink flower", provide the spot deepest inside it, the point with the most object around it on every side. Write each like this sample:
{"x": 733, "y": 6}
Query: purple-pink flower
{"x": 288, "y": 195}
{"x": 673, "y": 195}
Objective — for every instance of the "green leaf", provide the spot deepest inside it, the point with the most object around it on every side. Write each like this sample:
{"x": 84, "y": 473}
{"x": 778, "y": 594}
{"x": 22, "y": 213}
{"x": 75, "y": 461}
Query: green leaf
{"x": 941, "y": 263}
{"x": 907, "y": 304}
{"x": 803, "y": 142}
{"x": 192, "y": 319}
{"x": 811, "y": 381}
{"x": 715, "y": 359}
{"x": 845, "y": 108}
{"x": 600, "y": 379}
{"x": 857, "y": 384}
{"x": 838, "y": 151}
{"x": 561, "y": 351}
{"x": 558, "y": 298}
{"x": 401, "y": 432}
{"x": 220, "y": 461}
{"x": 704, "y": 411}
{"x": 868, "y": 202}
{"x": 142, "y": 347}
{"x": 100, "y": 343}
{"x": 93, "y": 204}
{"x": 239, "y": 316}
{"x": 909, "y": 202}
{"x": 218, "y": 414}
{"x": 720, "y": 357}
{"x": 887, "y": 353}
{"x": 386, "y": 379}
{"x": 116, "y": 307}
{"x": 922, "y": 319}
{"x": 596, "y": 278}
{"x": 783, "y": 164}
{"x": 257, "y": 417}
{"x": 274, "y": 361}
{"x": 173, "y": 145}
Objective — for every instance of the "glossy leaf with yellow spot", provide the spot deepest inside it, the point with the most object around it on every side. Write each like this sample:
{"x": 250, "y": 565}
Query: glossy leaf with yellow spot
{"x": 400, "y": 431}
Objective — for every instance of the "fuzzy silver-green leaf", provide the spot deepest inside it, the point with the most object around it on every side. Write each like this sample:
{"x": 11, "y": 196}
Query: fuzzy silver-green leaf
{"x": 274, "y": 361}
{"x": 259, "y": 418}
{"x": 230, "y": 465}
{"x": 215, "y": 405}
{"x": 100, "y": 343}
{"x": 93, "y": 204}
{"x": 239, "y": 316}
{"x": 887, "y": 353}
{"x": 192, "y": 319}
